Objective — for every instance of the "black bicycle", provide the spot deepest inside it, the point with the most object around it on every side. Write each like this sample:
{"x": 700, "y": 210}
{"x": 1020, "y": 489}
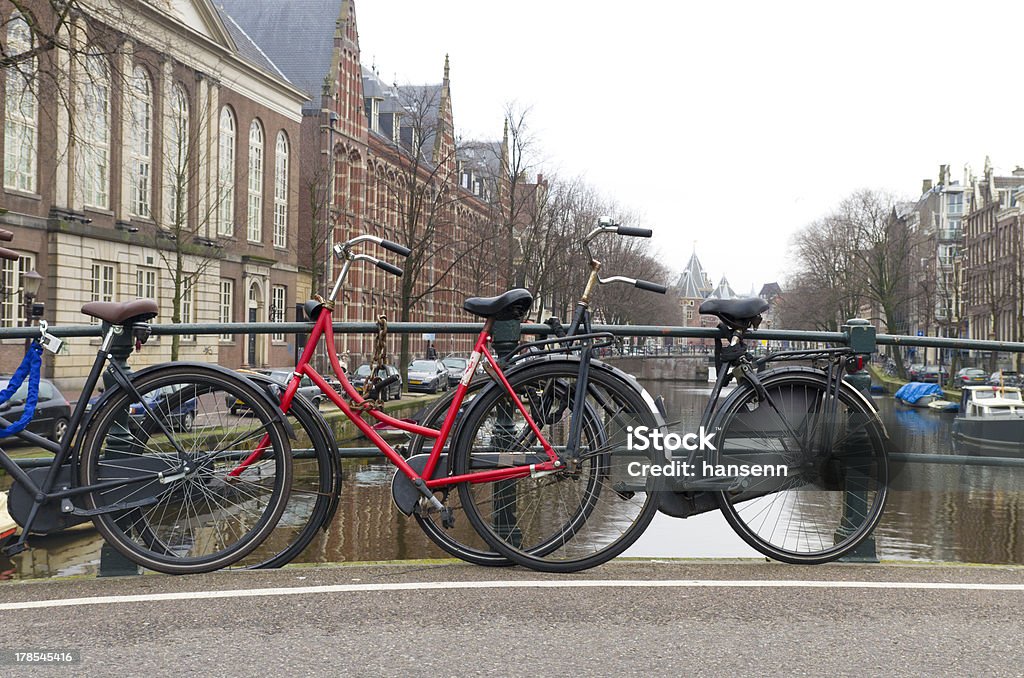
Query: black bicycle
{"x": 154, "y": 460}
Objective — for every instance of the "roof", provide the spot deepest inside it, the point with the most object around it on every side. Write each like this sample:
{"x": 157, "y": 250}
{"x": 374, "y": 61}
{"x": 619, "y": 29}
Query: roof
{"x": 297, "y": 36}
{"x": 770, "y": 290}
{"x": 694, "y": 282}
{"x": 247, "y": 48}
{"x": 722, "y": 291}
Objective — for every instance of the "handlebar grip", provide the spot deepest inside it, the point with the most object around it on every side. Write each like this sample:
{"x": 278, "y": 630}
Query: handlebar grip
{"x": 390, "y": 268}
{"x": 6, "y": 235}
{"x": 377, "y": 388}
{"x": 650, "y": 287}
{"x": 395, "y": 247}
{"x": 634, "y": 231}
{"x": 8, "y": 254}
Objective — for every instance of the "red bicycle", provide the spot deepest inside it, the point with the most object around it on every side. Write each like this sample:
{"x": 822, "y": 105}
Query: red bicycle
{"x": 540, "y": 458}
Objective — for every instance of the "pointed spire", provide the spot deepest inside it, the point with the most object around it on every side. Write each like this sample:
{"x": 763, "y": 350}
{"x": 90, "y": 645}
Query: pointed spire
{"x": 446, "y": 68}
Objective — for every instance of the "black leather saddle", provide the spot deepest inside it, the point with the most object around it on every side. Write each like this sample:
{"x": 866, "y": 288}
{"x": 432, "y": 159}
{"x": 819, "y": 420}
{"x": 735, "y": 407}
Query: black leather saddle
{"x": 737, "y": 314}
{"x": 512, "y": 305}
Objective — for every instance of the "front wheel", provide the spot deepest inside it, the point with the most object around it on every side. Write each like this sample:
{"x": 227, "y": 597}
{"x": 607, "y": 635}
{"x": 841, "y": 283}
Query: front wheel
{"x": 204, "y": 510}
{"x": 593, "y": 507}
{"x": 822, "y": 465}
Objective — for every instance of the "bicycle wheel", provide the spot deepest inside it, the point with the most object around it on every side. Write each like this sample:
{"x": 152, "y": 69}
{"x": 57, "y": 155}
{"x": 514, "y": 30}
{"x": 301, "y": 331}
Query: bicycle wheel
{"x": 461, "y": 539}
{"x": 315, "y": 488}
{"x": 574, "y": 518}
{"x": 830, "y": 470}
{"x": 194, "y": 520}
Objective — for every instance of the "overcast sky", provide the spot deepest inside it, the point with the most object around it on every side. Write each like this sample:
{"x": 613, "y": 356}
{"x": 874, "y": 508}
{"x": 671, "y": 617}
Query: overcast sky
{"x": 731, "y": 124}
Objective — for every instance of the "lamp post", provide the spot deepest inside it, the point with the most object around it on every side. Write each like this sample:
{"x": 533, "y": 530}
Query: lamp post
{"x": 30, "y": 283}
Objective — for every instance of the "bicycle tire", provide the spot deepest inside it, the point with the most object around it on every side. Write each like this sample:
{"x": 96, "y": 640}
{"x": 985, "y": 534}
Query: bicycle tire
{"x": 316, "y": 485}
{"x": 456, "y": 541}
{"x": 205, "y": 519}
{"x": 575, "y": 518}
{"x": 778, "y": 516}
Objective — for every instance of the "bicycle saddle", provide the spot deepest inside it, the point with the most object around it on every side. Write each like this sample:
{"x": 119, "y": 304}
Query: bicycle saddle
{"x": 122, "y": 312}
{"x": 738, "y": 314}
{"x": 511, "y": 305}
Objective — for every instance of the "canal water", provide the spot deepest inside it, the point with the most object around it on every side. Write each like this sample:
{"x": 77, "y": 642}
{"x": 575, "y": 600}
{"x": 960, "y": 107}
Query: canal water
{"x": 971, "y": 514}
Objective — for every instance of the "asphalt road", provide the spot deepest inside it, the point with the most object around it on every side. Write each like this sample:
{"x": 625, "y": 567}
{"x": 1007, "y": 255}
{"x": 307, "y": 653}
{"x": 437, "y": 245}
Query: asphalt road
{"x": 625, "y": 618}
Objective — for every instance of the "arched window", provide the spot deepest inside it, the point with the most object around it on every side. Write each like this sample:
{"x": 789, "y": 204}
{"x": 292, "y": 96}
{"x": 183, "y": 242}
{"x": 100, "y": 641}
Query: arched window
{"x": 140, "y": 123}
{"x": 281, "y": 191}
{"x": 176, "y": 152}
{"x": 255, "y": 214}
{"x": 92, "y": 125}
{"x": 226, "y": 174}
{"x": 21, "y": 112}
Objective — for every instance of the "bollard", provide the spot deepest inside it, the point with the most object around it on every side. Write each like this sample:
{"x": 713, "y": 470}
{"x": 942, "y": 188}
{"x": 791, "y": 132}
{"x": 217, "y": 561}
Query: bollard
{"x": 855, "y": 500}
{"x": 112, "y": 562}
{"x": 505, "y": 337}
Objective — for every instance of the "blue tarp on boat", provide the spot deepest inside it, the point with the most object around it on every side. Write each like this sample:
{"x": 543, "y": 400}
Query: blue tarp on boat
{"x": 915, "y": 390}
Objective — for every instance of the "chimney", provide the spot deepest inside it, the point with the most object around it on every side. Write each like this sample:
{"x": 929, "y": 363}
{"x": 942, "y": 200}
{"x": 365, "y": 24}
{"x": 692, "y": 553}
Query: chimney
{"x": 926, "y": 186}
{"x": 1018, "y": 171}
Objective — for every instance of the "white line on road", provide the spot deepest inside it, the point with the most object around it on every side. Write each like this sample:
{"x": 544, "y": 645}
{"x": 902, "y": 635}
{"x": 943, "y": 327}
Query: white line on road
{"x": 526, "y": 584}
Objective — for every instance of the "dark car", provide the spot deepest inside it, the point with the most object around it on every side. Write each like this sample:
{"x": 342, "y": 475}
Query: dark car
{"x": 282, "y": 376}
{"x": 177, "y": 410}
{"x": 456, "y": 367}
{"x": 394, "y": 390}
{"x": 1004, "y": 377}
{"x": 429, "y": 376}
{"x": 53, "y": 411}
{"x": 971, "y": 375}
{"x": 933, "y": 374}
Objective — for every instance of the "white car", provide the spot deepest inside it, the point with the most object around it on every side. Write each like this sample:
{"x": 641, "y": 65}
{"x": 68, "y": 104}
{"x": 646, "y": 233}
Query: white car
{"x": 429, "y": 376}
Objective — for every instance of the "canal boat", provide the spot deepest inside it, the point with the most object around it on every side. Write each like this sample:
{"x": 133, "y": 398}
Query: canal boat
{"x": 7, "y": 525}
{"x": 991, "y": 418}
{"x": 920, "y": 394}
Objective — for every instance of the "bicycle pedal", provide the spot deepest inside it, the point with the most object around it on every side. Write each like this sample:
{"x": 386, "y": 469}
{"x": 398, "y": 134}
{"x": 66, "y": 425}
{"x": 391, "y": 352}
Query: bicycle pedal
{"x": 447, "y": 518}
{"x": 14, "y": 549}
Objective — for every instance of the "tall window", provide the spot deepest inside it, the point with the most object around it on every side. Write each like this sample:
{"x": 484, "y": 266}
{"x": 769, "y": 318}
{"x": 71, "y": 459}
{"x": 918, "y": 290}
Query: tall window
{"x": 226, "y": 174}
{"x": 145, "y": 283}
{"x": 281, "y": 191}
{"x": 188, "y": 305}
{"x": 255, "y": 214}
{"x": 102, "y": 283}
{"x": 227, "y": 298}
{"x": 21, "y": 113}
{"x": 11, "y": 274}
{"x": 277, "y": 296}
{"x": 956, "y": 203}
{"x": 176, "y": 150}
{"x": 140, "y": 127}
{"x": 92, "y": 125}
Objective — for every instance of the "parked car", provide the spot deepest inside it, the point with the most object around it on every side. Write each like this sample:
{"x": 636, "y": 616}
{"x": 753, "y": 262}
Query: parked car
{"x": 177, "y": 411}
{"x": 933, "y": 374}
{"x": 971, "y": 375}
{"x": 456, "y": 367}
{"x": 1006, "y": 377}
{"x": 914, "y": 371}
{"x": 282, "y": 376}
{"x": 429, "y": 376}
{"x": 53, "y": 411}
{"x": 358, "y": 378}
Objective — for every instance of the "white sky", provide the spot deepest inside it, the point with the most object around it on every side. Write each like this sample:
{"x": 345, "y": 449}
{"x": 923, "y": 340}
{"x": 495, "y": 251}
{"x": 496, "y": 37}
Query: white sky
{"x": 729, "y": 123}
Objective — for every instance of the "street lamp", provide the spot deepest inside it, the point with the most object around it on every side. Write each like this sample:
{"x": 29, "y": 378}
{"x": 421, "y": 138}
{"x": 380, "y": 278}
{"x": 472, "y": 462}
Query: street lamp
{"x": 30, "y": 283}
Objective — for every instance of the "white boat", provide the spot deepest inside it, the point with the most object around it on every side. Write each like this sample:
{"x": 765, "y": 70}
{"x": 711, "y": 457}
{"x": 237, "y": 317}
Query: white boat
{"x": 7, "y": 525}
{"x": 991, "y": 418}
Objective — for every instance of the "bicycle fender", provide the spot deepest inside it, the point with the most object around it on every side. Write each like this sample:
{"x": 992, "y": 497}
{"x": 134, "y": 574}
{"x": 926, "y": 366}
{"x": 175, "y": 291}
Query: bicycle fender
{"x": 261, "y": 393}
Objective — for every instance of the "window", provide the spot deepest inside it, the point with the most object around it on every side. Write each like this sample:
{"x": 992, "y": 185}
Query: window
{"x": 281, "y": 191}
{"x": 226, "y": 174}
{"x": 956, "y": 203}
{"x": 227, "y": 298}
{"x": 188, "y": 305}
{"x": 141, "y": 160}
{"x": 92, "y": 136}
{"x": 11, "y": 274}
{"x": 277, "y": 308}
{"x": 102, "y": 283}
{"x": 145, "y": 283}
{"x": 176, "y": 150}
{"x": 21, "y": 113}
{"x": 255, "y": 214}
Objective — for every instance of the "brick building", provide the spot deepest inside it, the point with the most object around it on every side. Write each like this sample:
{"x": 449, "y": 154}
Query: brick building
{"x": 177, "y": 142}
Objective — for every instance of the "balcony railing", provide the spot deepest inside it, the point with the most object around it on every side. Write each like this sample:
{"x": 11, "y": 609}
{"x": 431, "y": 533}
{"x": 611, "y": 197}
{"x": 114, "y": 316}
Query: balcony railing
{"x": 949, "y": 234}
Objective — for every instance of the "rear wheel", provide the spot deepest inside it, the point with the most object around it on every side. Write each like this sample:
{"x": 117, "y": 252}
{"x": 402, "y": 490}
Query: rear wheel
{"x": 829, "y": 483}
{"x": 197, "y": 516}
{"x": 581, "y": 515}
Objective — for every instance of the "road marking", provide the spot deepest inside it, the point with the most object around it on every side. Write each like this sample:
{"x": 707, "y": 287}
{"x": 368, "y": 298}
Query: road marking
{"x": 526, "y": 584}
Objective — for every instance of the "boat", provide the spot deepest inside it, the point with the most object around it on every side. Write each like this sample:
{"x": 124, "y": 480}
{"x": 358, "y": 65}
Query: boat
{"x": 385, "y": 430}
{"x": 919, "y": 394}
{"x": 991, "y": 419}
{"x": 7, "y": 525}
{"x": 943, "y": 406}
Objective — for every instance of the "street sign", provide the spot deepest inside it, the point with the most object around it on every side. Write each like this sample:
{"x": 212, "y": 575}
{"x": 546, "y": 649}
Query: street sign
{"x": 920, "y": 333}
{"x": 428, "y": 337}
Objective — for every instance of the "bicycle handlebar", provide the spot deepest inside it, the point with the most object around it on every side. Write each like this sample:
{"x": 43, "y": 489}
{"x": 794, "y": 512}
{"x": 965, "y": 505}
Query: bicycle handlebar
{"x": 650, "y": 286}
{"x": 395, "y": 247}
{"x": 634, "y": 231}
{"x": 8, "y": 254}
{"x": 6, "y": 235}
{"x": 390, "y": 268}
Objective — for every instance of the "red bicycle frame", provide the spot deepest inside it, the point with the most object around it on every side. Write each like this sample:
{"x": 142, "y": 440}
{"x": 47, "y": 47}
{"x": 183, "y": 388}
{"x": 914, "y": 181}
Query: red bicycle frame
{"x": 324, "y": 328}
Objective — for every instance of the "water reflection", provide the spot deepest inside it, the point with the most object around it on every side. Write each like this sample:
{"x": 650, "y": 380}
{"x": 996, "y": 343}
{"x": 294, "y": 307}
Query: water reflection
{"x": 935, "y": 512}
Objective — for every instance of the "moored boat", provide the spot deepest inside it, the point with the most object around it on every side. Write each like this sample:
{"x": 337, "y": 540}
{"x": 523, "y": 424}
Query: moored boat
{"x": 991, "y": 419}
{"x": 919, "y": 394}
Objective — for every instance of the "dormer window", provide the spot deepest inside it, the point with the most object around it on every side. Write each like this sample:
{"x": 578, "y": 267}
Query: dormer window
{"x": 396, "y": 127}
{"x": 375, "y": 115}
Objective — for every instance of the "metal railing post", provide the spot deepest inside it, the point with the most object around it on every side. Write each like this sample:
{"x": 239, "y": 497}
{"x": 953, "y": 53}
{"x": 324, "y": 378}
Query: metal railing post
{"x": 505, "y": 337}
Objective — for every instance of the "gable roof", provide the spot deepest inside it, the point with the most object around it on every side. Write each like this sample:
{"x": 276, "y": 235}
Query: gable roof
{"x": 247, "y": 47}
{"x": 296, "y": 36}
{"x": 694, "y": 282}
{"x": 723, "y": 291}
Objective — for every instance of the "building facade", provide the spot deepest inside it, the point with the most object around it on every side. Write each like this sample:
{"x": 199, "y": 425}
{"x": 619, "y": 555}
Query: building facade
{"x": 166, "y": 170}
